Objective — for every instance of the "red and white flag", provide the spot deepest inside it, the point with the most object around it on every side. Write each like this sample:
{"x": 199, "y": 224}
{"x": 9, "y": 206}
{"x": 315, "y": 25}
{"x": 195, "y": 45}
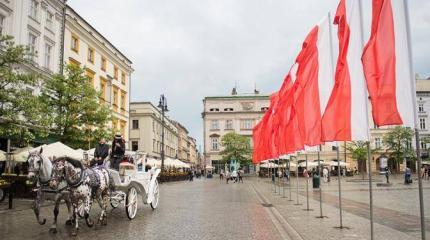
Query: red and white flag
{"x": 313, "y": 83}
{"x": 386, "y": 65}
{"x": 345, "y": 117}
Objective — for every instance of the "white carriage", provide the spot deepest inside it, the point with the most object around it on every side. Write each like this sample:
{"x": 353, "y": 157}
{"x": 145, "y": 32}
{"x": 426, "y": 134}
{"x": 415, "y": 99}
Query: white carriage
{"x": 132, "y": 181}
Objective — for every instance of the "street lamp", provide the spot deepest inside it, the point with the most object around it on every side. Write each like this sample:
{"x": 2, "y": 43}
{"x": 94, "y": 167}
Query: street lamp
{"x": 162, "y": 105}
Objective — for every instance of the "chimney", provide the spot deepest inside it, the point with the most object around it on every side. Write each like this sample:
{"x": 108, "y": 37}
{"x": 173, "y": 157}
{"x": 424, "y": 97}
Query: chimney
{"x": 233, "y": 91}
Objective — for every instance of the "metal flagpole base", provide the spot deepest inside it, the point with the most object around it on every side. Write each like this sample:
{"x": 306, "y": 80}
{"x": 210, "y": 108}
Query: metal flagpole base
{"x": 309, "y": 210}
{"x": 297, "y": 204}
{"x": 342, "y": 227}
{"x": 321, "y": 217}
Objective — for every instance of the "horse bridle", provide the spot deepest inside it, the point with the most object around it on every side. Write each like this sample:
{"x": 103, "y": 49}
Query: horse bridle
{"x": 31, "y": 168}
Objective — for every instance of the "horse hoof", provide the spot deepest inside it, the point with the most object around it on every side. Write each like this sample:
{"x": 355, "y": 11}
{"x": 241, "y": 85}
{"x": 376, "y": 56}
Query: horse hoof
{"x": 74, "y": 234}
{"x": 104, "y": 222}
{"x": 42, "y": 222}
{"x": 69, "y": 222}
{"x": 53, "y": 230}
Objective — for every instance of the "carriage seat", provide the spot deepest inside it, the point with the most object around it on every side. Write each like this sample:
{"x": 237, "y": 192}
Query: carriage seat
{"x": 117, "y": 179}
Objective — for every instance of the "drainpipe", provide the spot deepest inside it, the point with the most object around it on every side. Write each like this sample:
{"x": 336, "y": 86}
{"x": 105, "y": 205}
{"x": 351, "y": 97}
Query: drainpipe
{"x": 63, "y": 30}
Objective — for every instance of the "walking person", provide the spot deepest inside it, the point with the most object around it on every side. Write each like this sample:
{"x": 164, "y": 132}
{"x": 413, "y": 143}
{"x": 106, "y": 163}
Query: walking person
{"x": 221, "y": 175}
{"x": 325, "y": 174}
{"x": 118, "y": 151}
{"x": 227, "y": 176}
{"x": 239, "y": 176}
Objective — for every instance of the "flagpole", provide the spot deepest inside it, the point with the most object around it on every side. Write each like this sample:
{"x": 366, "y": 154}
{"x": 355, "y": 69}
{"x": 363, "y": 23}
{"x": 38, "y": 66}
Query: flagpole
{"x": 289, "y": 179}
{"x": 283, "y": 179}
{"x": 279, "y": 176}
{"x": 369, "y": 159}
{"x": 417, "y": 137}
{"x": 339, "y": 184}
{"x": 297, "y": 181}
{"x": 319, "y": 176}
{"x": 307, "y": 184}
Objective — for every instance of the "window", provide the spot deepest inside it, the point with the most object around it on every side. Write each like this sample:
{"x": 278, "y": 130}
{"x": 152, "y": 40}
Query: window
{"x": 122, "y": 127}
{"x": 115, "y": 98}
{"x": 123, "y": 77}
{"x": 214, "y": 110}
{"x": 134, "y": 145}
{"x": 103, "y": 88}
{"x": 229, "y": 124}
{"x": 228, "y": 109}
{"x": 377, "y": 143}
{"x": 114, "y": 124}
{"x": 421, "y": 107}
{"x": 153, "y": 126}
{"x": 214, "y": 125}
{"x": 2, "y": 18}
{"x": 49, "y": 20}
{"x": 90, "y": 74}
{"x": 75, "y": 44}
{"x": 48, "y": 52}
{"x": 74, "y": 62}
{"x": 422, "y": 123}
{"x": 32, "y": 44}
{"x": 123, "y": 101}
{"x": 103, "y": 64}
{"x": 263, "y": 109}
{"x": 153, "y": 145}
{"x": 34, "y": 9}
{"x": 90, "y": 56}
{"x": 423, "y": 145}
{"x": 246, "y": 124}
{"x": 135, "y": 124}
{"x": 115, "y": 72}
{"x": 214, "y": 144}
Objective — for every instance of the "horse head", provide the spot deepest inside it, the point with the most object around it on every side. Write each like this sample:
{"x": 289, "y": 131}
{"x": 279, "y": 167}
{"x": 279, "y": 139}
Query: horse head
{"x": 35, "y": 162}
{"x": 73, "y": 171}
{"x": 58, "y": 173}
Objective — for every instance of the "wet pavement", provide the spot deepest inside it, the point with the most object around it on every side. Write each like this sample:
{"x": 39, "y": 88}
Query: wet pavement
{"x": 202, "y": 209}
{"x": 211, "y": 209}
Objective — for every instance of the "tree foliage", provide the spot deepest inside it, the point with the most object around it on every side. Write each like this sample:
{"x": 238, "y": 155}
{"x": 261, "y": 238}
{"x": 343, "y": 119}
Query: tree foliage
{"x": 397, "y": 141}
{"x": 22, "y": 115}
{"x": 235, "y": 147}
{"x": 79, "y": 117}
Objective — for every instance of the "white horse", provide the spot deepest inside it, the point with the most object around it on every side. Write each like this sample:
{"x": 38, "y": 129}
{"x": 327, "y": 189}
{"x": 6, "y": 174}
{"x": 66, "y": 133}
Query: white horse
{"x": 84, "y": 184}
{"x": 40, "y": 169}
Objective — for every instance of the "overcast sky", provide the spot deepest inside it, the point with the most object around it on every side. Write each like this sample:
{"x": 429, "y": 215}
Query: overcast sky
{"x": 189, "y": 49}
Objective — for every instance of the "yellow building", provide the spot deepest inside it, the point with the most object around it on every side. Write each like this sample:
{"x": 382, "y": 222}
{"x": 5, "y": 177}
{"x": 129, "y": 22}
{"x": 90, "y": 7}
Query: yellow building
{"x": 109, "y": 69}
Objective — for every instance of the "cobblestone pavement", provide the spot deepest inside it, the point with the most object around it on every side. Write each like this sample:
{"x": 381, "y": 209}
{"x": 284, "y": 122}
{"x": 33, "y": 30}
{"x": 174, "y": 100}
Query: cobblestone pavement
{"x": 202, "y": 209}
{"x": 211, "y": 209}
{"x": 396, "y": 209}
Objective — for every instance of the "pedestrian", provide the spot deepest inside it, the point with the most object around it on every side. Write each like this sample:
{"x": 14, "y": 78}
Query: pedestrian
{"x": 325, "y": 174}
{"x": 305, "y": 173}
{"x": 287, "y": 174}
{"x": 227, "y": 176}
{"x": 387, "y": 174}
{"x": 190, "y": 175}
{"x": 423, "y": 172}
{"x": 118, "y": 150}
{"x": 428, "y": 172}
{"x": 355, "y": 171}
{"x": 100, "y": 153}
{"x": 234, "y": 175}
{"x": 408, "y": 179}
{"x": 239, "y": 176}
{"x": 221, "y": 175}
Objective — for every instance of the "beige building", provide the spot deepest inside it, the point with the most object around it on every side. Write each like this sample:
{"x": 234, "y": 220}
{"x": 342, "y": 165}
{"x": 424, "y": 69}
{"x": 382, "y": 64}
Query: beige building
{"x": 108, "y": 68}
{"x": 183, "y": 142}
{"x": 224, "y": 114}
{"x": 194, "y": 153}
{"x": 146, "y": 129}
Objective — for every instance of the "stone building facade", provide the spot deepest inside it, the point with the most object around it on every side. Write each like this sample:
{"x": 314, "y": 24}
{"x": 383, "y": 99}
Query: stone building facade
{"x": 146, "y": 128}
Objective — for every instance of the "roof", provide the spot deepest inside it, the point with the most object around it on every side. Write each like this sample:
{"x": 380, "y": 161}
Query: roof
{"x": 423, "y": 85}
{"x": 101, "y": 35}
{"x": 250, "y": 96}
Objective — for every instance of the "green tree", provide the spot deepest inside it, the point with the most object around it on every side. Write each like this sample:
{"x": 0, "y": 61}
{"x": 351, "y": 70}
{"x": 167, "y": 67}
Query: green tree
{"x": 397, "y": 141}
{"x": 79, "y": 117}
{"x": 22, "y": 115}
{"x": 358, "y": 150}
{"x": 236, "y": 147}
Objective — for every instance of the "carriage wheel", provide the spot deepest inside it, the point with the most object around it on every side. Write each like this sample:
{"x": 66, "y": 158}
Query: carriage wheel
{"x": 131, "y": 203}
{"x": 2, "y": 194}
{"x": 81, "y": 209}
{"x": 156, "y": 192}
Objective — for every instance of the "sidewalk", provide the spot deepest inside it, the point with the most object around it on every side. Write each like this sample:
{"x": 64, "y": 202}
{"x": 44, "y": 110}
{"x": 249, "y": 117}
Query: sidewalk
{"x": 392, "y": 225}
